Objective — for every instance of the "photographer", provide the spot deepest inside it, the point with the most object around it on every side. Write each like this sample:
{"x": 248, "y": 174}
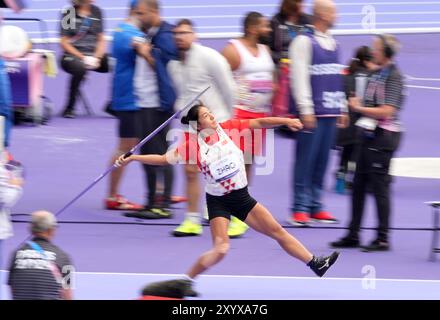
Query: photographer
{"x": 381, "y": 131}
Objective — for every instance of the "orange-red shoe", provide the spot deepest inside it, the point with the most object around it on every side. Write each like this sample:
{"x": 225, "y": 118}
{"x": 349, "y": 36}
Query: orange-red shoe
{"x": 324, "y": 217}
{"x": 299, "y": 219}
{"x": 120, "y": 203}
{"x": 174, "y": 199}
{"x": 178, "y": 199}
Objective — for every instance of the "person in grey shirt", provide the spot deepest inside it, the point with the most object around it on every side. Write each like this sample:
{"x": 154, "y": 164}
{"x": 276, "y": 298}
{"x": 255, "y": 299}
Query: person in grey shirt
{"x": 197, "y": 67}
{"x": 84, "y": 46}
{"x": 40, "y": 270}
{"x": 381, "y": 128}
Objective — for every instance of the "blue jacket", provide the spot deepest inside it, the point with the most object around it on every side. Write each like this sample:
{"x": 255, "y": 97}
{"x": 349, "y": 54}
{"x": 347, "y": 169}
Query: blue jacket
{"x": 5, "y": 102}
{"x": 123, "y": 96}
{"x": 164, "y": 50}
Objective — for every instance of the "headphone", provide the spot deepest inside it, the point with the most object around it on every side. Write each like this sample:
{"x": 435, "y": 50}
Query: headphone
{"x": 387, "y": 49}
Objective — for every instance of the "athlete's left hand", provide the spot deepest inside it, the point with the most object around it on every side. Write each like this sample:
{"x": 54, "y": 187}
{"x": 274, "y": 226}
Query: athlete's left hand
{"x": 294, "y": 124}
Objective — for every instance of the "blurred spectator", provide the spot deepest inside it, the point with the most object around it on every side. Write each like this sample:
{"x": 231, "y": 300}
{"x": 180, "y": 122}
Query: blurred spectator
{"x": 84, "y": 45}
{"x": 5, "y": 105}
{"x": 253, "y": 71}
{"x": 128, "y": 42}
{"x": 197, "y": 67}
{"x": 317, "y": 85}
{"x": 11, "y": 181}
{"x": 355, "y": 81}
{"x": 286, "y": 25}
{"x": 156, "y": 98}
{"x": 380, "y": 137}
{"x": 39, "y": 269}
{"x": 5, "y": 101}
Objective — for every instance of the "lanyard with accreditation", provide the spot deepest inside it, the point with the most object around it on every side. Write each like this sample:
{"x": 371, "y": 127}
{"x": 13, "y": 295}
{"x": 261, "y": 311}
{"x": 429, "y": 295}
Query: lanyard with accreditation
{"x": 52, "y": 267}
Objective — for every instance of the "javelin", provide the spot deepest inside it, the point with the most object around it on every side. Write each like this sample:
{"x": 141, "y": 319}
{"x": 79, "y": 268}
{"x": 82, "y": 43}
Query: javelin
{"x": 133, "y": 150}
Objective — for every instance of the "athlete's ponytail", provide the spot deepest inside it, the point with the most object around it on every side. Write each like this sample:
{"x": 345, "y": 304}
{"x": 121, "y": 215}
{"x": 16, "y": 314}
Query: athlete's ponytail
{"x": 192, "y": 115}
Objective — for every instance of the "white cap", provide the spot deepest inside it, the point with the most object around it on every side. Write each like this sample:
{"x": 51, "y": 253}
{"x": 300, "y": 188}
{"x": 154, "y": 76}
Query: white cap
{"x": 14, "y": 42}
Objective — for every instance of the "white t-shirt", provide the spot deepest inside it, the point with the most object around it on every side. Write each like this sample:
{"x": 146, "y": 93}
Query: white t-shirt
{"x": 204, "y": 66}
{"x": 145, "y": 85}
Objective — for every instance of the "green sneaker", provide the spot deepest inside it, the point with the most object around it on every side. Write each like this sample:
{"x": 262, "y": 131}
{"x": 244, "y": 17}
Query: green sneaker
{"x": 188, "y": 229}
{"x": 237, "y": 228}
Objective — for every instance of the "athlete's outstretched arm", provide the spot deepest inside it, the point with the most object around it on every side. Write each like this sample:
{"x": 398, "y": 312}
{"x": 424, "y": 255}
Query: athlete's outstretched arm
{"x": 272, "y": 122}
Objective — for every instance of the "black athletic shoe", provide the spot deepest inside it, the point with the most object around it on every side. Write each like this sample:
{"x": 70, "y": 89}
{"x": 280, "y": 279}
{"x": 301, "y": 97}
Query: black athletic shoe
{"x": 152, "y": 213}
{"x": 179, "y": 289}
{"x": 68, "y": 114}
{"x": 320, "y": 265}
{"x": 186, "y": 286}
{"x": 377, "y": 245}
{"x": 345, "y": 242}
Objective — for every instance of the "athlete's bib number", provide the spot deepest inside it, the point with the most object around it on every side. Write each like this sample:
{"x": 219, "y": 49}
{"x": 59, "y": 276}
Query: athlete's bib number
{"x": 225, "y": 168}
{"x": 333, "y": 100}
{"x": 261, "y": 86}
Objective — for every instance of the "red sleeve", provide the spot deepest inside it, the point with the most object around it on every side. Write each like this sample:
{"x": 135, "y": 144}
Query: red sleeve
{"x": 239, "y": 132}
{"x": 235, "y": 124}
{"x": 188, "y": 150}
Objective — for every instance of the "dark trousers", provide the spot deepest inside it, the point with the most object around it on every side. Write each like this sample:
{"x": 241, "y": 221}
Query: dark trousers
{"x": 151, "y": 118}
{"x": 348, "y": 154}
{"x": 1, "y": 266}
{"x": 77, "y": 69}
{"x": 372, "y": 167}
{"x": 311, "y": 158}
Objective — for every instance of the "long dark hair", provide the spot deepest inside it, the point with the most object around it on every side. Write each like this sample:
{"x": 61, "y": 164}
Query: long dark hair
{"x": 77, "y": 3}
{"x": 289, "y": 7}
{"x": 359, "y": 62}
{"x": 192, "y": 115}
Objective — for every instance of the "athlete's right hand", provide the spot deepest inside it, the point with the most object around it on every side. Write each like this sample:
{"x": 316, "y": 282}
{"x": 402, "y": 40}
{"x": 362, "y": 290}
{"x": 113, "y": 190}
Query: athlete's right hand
{"x": 121, "y": 162}
{"x": 309, "y": 121}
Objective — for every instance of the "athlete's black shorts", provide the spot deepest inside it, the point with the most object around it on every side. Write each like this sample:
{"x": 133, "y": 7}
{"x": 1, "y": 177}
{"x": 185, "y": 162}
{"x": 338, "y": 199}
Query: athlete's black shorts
{"x": 129, "y": 124}
{"x": 237, "y": 203}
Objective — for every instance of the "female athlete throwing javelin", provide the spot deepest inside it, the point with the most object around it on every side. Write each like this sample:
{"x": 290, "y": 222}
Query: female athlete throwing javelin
{"x": 221, "y": 161}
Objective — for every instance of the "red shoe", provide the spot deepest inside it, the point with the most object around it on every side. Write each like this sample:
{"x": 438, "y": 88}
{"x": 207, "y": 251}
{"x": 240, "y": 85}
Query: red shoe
{"x": 174, "y": 199}
{"x": 324, "y": 217}
{"x": 300, "y": 219}
{"x": 120, "y": 203}
{"x": 178, "y": 199}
